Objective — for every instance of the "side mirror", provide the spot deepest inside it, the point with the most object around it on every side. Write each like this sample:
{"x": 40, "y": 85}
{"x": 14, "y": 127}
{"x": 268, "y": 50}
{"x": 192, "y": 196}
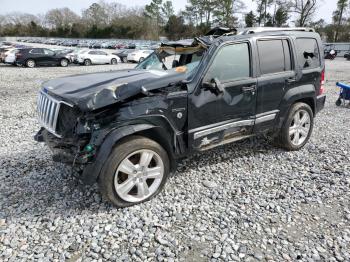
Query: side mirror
{"x": 214, "y": 84}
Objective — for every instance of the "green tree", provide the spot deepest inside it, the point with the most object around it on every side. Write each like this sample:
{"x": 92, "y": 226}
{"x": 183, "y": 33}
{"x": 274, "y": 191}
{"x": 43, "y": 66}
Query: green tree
{"x": 262, "y": 6}
{"x": 154, "y": 12}
{"x": 167, "y": 10}
{"x": 250, "y": 19}
{"x": 175, "y": 27}
{"x": 342, "y": 6}
{"x": 281, "y": 16}
{"x": 224, "y": 12}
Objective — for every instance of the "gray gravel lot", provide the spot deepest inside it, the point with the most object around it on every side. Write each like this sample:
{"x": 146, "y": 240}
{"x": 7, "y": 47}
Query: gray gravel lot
{"x": 246, "y": 201}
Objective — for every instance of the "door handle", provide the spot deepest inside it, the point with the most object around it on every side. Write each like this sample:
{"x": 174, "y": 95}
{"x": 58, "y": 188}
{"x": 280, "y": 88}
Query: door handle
{"x": 291, "y": 80}
{"x": 250, "y": 88}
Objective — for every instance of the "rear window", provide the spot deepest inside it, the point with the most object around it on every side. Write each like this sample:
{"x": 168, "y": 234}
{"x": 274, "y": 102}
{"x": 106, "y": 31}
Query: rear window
{"x": 308, "y": 53}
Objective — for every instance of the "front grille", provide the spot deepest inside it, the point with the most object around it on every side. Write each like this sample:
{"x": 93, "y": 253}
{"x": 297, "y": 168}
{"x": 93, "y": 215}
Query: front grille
{"x": 48, "y": 109}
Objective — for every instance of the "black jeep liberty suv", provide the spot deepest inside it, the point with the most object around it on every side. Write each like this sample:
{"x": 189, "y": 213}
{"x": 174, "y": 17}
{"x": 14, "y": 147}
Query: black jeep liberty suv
{"x": 126, "y": 129}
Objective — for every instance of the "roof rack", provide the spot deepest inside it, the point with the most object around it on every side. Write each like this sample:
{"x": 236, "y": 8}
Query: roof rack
{"x": 253, "y": 30}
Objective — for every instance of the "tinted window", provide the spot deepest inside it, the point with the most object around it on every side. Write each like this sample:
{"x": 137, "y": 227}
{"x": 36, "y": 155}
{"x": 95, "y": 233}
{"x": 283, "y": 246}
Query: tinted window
{"x": 231, "y": 62}
{"x": 271, "y": 56}
{"x": 37, "y": 51}
{"x": 49, "y": 52}
{"x": 102, "y": 53}
{"x": 92, "y": 52}
{"x": 308, "y": 53}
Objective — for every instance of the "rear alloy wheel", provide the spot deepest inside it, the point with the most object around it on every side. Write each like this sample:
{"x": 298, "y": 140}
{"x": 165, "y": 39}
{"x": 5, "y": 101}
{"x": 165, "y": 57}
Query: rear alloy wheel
{"x": 135, "y": 171}
{"x": 64, "y": 62}
{"x": 30, "y": 63}
{"x": 87, "y": 62}
{"x": 297, "y": 128}
{"x": 114, "y": 61}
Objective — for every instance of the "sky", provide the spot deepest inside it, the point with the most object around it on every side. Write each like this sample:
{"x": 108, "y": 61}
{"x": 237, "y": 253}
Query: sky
{"x": 325, "y": 9}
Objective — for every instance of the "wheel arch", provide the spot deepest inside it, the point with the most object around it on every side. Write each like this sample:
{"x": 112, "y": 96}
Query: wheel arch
{"x": 300, "y": 94}
{"x": 111, "y": 139}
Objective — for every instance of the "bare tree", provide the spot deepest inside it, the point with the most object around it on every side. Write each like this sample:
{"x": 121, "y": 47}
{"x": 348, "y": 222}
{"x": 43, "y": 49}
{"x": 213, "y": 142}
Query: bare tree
{"x": 95, "y": 15}
{"x": 305, "y": 9}
{"x": 112, "y": 10}
{"x": 61, "y": 18}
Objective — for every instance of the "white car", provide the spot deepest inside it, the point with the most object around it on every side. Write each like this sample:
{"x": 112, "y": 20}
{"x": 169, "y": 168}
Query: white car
{"x": 138, "y": 55}
{"x": 10, "y": 56}
{"x": 95, "y": 57}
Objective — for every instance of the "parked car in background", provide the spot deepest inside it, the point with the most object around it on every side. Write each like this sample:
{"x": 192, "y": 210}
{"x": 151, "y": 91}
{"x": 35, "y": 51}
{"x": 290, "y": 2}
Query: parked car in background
{"x": 95, "y": 57}
{"x": 123, "y": 54}
{"x": 32, "y": 57}
{"x": 120, "y": 46}
{"x": 74, "y": 56}
{"x": 138, "y": 55}
{"x": 83, "y": 44}
{"x": 96, "y": 45}
{"x": 10, "y": 56}
{"x": 3, "y": 50}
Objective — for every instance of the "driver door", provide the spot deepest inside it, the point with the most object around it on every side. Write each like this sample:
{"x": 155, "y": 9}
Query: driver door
{"x": 222, "y": 107}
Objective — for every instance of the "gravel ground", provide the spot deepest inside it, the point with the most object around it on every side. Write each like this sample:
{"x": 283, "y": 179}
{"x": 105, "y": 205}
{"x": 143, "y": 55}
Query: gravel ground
{"x": 247, "y": 201}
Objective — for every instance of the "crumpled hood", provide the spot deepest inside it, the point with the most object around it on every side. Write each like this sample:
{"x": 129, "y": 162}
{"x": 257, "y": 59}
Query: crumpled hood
{"x": 96, "y": 90}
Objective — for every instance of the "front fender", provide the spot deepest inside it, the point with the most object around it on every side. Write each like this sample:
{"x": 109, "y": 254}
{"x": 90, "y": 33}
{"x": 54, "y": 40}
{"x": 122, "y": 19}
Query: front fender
{"x": 108, "y": 140}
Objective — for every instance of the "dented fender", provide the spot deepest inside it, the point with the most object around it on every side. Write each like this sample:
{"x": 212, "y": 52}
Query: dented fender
{"x": 92, "y": 170}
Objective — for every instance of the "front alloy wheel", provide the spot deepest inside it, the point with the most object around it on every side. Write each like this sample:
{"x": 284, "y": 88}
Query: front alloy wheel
{"x": 139, "y": 175}
{"x": 135, "y": 171}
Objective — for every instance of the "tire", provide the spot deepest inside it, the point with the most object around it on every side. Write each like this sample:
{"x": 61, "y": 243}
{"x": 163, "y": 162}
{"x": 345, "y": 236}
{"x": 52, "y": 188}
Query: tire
{"x": 87, "y": 62}
{"x": 338, "y": 102}
{"x": 293, "y": 136}
{"x": 64, "y": 62}
{"x": 114, "y": 61}
{"x": 141, "y": 59}
{"x": 30, "y": 63}
{"x": 112, "y": 175}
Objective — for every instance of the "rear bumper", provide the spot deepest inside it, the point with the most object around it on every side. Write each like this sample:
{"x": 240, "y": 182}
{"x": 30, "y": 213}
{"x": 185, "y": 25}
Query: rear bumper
{"x": 320, "y": 102}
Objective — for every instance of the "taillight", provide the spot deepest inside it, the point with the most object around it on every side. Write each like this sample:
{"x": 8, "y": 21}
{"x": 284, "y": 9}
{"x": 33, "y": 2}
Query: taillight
{"x": 18, "y": 55}
{"x": 322, "y": 89}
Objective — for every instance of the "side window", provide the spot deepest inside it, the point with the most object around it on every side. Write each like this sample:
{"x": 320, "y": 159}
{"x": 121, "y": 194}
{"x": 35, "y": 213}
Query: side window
{"x": 102, "y": 53}
{"x": 231, "y": 62}
{"x": 92, "y": 53}
{"x": 37, "y": 51}
{"x": 48, "y": 52}
{"x": 271, "y": 55}
{"x": 308, "y": 53}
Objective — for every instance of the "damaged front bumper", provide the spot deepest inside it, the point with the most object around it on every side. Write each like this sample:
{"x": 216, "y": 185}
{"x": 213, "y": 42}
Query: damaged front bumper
{"x": 66, "y": 150}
